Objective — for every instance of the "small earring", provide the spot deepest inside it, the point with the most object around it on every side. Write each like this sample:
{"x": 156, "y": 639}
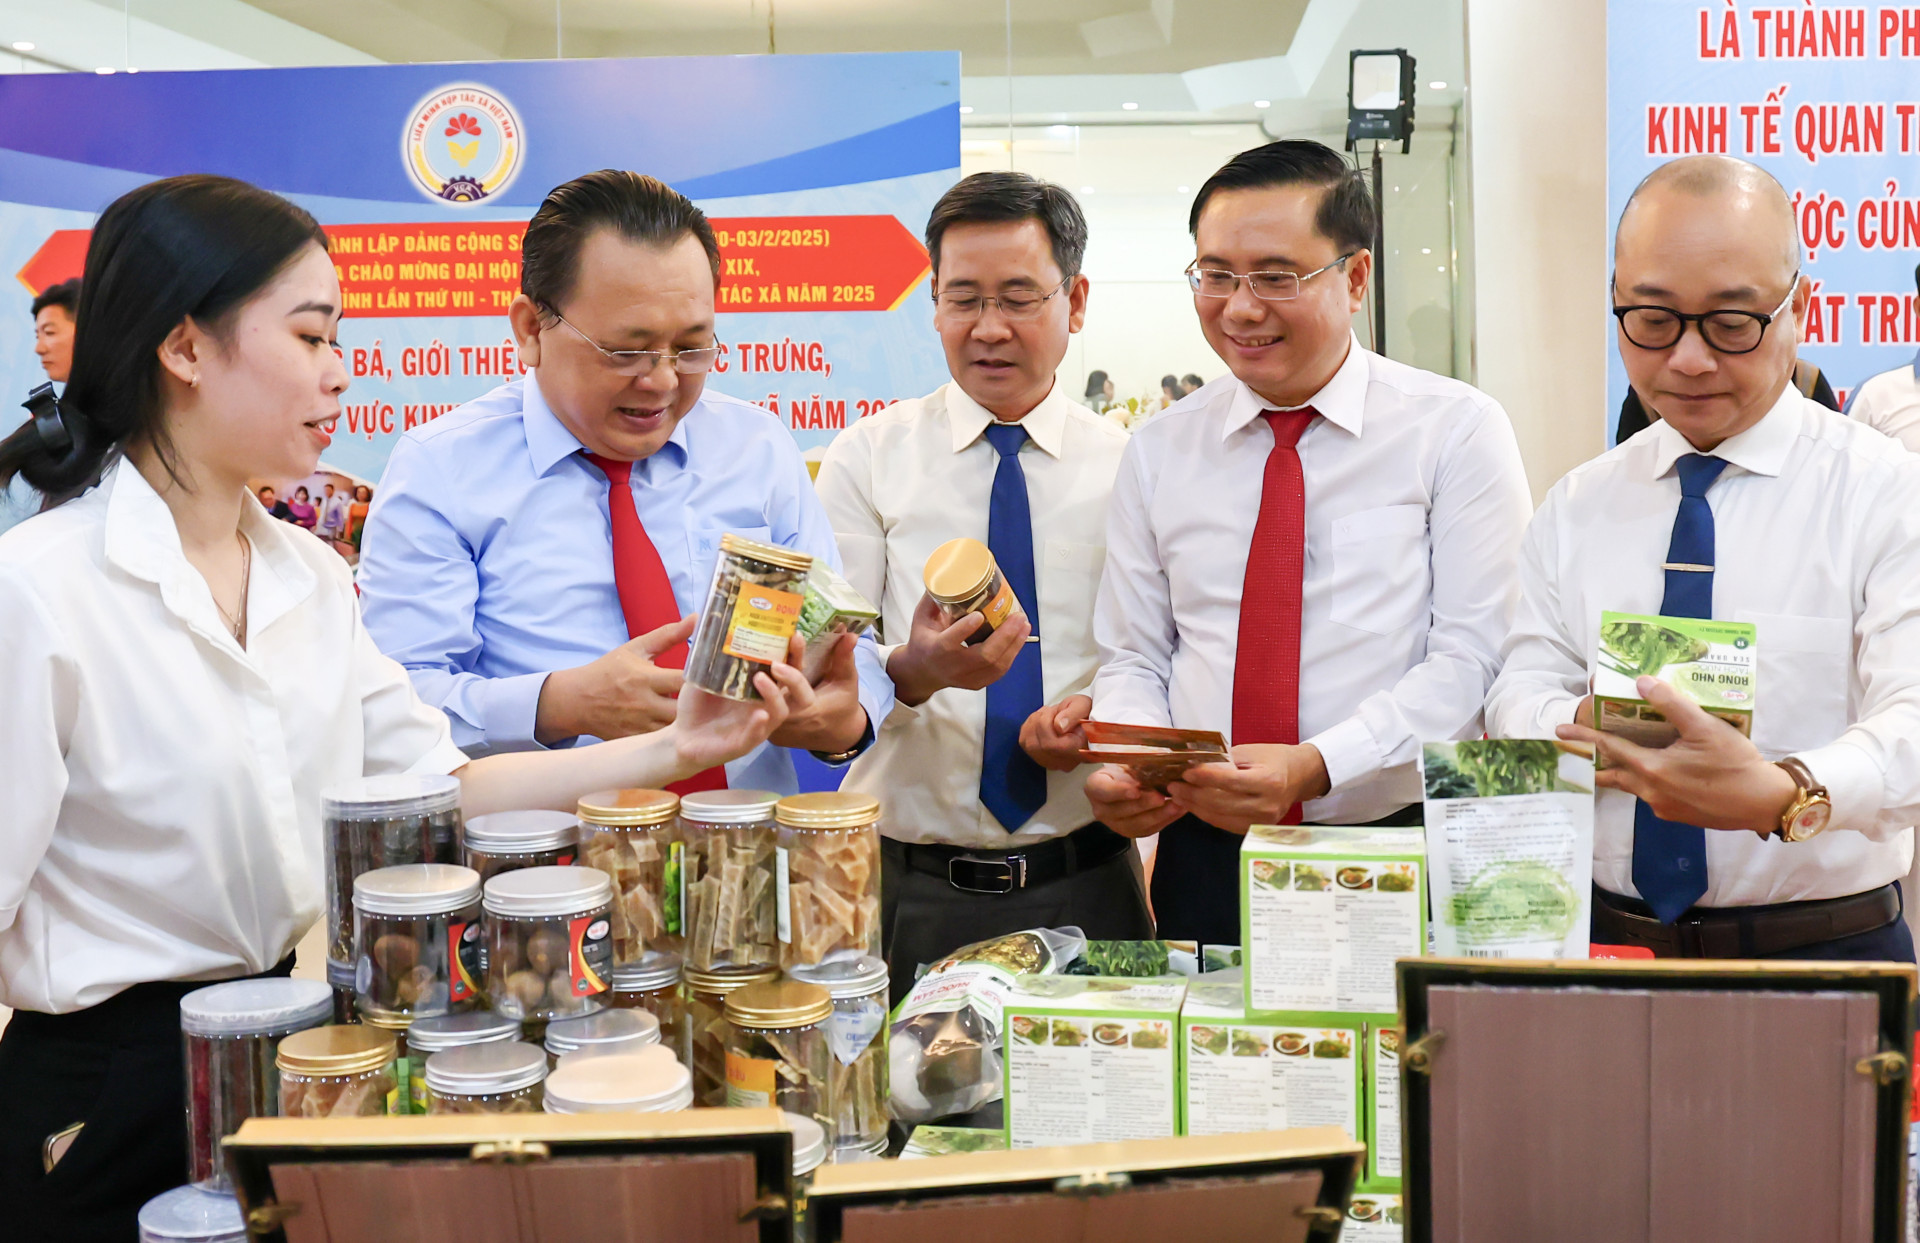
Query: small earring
{"x": 195, "y": 381}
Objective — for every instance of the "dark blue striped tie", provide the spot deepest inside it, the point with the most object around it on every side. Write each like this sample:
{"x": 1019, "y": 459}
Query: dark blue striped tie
{"x": 1012, "y": 786}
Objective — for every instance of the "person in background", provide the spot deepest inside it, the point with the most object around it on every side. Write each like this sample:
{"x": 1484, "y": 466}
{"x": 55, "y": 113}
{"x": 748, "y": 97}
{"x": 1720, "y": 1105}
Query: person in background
{"x": 55, "y": 312}
{"x": 357, "y": 513}
{"x": 301, "y": 510}
{"x": 1746, "y": 501}
{"x": 274, "y": 506}
{"x": 333, "y": 515}
{"x": 1890, "y": 402}
{"x": 1170, "y": 390}
{"x": 1190, "y": 384}
{"x": 980, "y": 839}
{"x": 1099, "y": 394}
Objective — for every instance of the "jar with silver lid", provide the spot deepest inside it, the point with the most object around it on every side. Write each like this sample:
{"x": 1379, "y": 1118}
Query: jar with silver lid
{"x": 230, "y": 1033}
{"x": 647, "y": 1081}
{"x": 601, "y": 1034}
{"x": 379, "y": 822}
{"x": 192, "y": 1215}
{"x": 426, "y": 1037}
{"x": 501, "y": 1077}
{"x": 730, "y": 878}
{"x": 416, "y": 941}
{"x": 549, "y": 941}
{"x": 507, "y": 840}
{"x": 857, "y": 1074}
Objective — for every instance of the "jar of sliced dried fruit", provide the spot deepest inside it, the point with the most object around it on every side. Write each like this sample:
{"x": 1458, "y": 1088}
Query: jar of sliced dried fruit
{"x": 634, "y": 837}
{"x": 335, "y": 1072}
{"x": 828, "y": 874}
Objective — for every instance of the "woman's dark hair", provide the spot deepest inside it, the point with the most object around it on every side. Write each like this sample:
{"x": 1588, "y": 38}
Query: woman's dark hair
{"x": 301, "y": 491}
{"x": 65, "y": 295}
{"x": 1191, "y": 381}
{"x": 359, "y": 488}
{"x": 1096, "y": 383}
{"x": 194, "y": 247}
{"x": 1346, "y": 209}
{"x": 1170, "y": 381}
{"x": 1004, "y": 197}
{"x": 636, "y": 207}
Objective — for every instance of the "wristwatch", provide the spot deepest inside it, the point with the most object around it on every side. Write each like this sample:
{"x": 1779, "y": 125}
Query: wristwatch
{"x": 839, "y": 759}
{"x": 1811, "y": 810}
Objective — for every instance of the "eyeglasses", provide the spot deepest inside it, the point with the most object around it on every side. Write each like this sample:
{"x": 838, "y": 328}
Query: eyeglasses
{"x": 964, "y": 304}
{"x": 1725, "y": 332}
{"x": 1266, "y": 286}
{"x": 643, "y": 362}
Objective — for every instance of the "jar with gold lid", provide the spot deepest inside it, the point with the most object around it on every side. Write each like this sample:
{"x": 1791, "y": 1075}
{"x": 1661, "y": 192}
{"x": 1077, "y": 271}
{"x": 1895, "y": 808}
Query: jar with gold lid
{"x": 963, "y": 578}
{"x": 828, "y": 873}
{"x": 753, "y": 607}
{"x": 335, "y": 1072}
{"x": 706, "y": 1010}
{"x": 777, "y": 1054}
{"x": 634, "y": 837}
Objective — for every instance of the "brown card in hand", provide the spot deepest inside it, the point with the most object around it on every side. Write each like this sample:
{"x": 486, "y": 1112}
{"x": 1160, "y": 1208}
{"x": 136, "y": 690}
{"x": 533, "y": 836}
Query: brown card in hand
{"x": 1156, "y": 755}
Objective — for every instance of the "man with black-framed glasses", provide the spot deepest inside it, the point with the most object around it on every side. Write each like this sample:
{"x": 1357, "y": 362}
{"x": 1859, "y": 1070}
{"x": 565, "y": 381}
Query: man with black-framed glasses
{"x": 1745, "y": 501}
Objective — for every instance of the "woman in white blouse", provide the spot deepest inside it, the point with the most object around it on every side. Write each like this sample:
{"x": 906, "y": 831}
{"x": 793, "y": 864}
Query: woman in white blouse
{"x": 181, "y": 678}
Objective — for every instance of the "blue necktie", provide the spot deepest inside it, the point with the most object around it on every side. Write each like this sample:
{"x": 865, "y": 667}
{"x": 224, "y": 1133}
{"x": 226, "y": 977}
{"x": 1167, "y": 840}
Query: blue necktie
{"x": 1670, "y": 859}
{"x": 1012, "y": 786}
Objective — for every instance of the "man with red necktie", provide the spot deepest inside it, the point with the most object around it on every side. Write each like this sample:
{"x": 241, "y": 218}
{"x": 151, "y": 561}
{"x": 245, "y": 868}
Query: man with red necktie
{"x": 1314, "y": 556}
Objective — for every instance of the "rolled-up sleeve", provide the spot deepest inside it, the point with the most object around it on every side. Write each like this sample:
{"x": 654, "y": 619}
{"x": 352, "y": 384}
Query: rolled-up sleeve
{"x": 1133, "y": 615}
{"x": 39, "y": 686}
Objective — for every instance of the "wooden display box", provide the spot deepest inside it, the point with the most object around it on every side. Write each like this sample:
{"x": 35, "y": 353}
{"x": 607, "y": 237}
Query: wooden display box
{"x": 1267, "y": 1187}
{"x": 1667, "y": 1100}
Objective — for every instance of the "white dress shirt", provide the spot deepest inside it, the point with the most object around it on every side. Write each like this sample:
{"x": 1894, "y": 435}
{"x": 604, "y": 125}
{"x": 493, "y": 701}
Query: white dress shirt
{"x": 1415, "y": 502}
{"x": 162, "y": 809}
{"x": 1817, "y": 543}
{"x": 899, "y": 484}
{"x": 1890, "y": 403}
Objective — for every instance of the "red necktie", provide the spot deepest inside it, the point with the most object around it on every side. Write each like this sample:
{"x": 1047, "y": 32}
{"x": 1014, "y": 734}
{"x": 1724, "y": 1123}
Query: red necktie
{"x": 646, "y": 593}
{"x": 1266, "y": 667}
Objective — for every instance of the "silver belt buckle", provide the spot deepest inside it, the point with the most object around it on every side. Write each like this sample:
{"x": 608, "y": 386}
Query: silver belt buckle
{"x": 1003, "y": 875}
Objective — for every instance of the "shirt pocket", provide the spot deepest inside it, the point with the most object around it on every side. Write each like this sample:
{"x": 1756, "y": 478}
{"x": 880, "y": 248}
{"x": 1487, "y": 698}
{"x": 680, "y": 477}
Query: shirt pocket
{"x": 1380, "y": 568}
{"x": 1076, "y": 558}
{"x": 1805, "y": 671}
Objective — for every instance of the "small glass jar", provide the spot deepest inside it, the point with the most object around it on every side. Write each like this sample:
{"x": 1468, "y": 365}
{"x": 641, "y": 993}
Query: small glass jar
{"x": 857, "y": 1075}
{"x": 416, "y": 941}
{"x": 828, "y": 876}
{"x": 634, "y": 837}
{"x": 192, "y": 1215}
{"x": 501, "y": 1077}
{"x": 335, "y": 1072}
{"x": 549, "y": 942}
{"x": 601, "y": 1035}
{"x": 706, "y": 1001}
{"x": 777, "y": 1048}
{"x": 426, "y": 1037}
{"x": 519, "y": 839}
{"x": 648, "y": 1081}
{"x": 406, "y": 1064}
{"x": 379, "y": 822}
{"x": 230, "y": 1033}
{"x": 730, "y": 878}
{"x": 653, "y": 985}
{"x": 753, "y": 606}
{"x": 962, "y": 578}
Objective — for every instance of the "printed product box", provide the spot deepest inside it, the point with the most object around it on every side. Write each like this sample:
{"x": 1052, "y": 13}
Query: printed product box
{"x": 1383, "y": 1107}
{"x": 1373, "y": 1217}
{"x": 1091, "y": 1058}
{"x": 1244, "y": 1071}
{"x": 940, "y": 1141}
{"x": 1711, "y": 662}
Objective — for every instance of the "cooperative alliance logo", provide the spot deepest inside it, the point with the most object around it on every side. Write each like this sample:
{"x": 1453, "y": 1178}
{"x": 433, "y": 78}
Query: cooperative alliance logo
{"x": 462, "y": 144}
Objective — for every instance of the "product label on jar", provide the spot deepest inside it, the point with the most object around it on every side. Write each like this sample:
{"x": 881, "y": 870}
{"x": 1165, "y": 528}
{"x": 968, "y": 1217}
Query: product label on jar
{"x": 564, "y": 861}
{"x": 763, "y": 620}
{"x": 464, "y": 964}
{"x": 750, "y": 1081}
{"x": 590, "y": 950}
{"x": 673, "y": 889}
{"x": 998, "y": 609}
{"x": 416, "y": 1086}
{"x": 782, "y": 911}
{"x": 852, "y": 1028}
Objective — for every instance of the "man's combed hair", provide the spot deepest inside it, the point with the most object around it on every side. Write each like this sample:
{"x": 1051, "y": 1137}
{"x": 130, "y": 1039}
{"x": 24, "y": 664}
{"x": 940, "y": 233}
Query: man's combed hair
{"x": 65, "y": 295}
{"x": 634, "y": 206}
{"x": 1346, "y": 209}
{"x": 1007, "y": 198}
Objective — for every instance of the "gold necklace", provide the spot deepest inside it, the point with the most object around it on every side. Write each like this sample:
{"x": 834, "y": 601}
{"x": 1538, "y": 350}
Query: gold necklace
{"x": 239, "y": 626}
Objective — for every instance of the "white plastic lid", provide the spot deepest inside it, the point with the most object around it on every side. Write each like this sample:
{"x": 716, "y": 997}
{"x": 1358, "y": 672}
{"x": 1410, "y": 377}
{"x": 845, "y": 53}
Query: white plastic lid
{"x": 522, "y": 832}
{"x": 271, "y": 1007}
{"x": 451, "y": 1031}
{"x": 653, "y": 969}
{"x": 416, "y": 889}
{"x": 480, "y": 1069}
{"x": 648, "y": 1080}
{"x": 192, "y": 1215}
{"x": 547, "y": 892}
{"x": 809, "y": 1142}
{"x": 845, "y": 974}
{"x": 386, "y": 798}
{"x": 729, "y": 806}
{"x": 603, "y": 1032}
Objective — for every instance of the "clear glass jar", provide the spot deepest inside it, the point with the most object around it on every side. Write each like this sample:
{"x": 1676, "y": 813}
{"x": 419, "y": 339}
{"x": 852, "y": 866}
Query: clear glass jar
{"x": 416, "y": 941}
{"x": 730, "y": 878}
{"x": 549, "y": 942}
{"x": 647, "y": 1081}
{"x": 857, "y": 1075}
{"x": 519, "y": 839}
{"x": 230, "y": 1033}
{"x": 500, "y": 1077}
{"x": 753, "y": 606}
{"x": 828, "y": 876}
{"x": 706, "y": 994}
{"x": 653, "y": 985}
{"x": 777, "y": 1052}
{"x": 963, "y": 578}
{"x": 335, "y": 1072}
{"x": 634, "y": 837}
{"x": 602, "y": 1034}
{"x": 380, "y": 822}
{"x": 426, "y": 1037}
{"x": 192, "y": 1215}
{"x": 340, "y": 980}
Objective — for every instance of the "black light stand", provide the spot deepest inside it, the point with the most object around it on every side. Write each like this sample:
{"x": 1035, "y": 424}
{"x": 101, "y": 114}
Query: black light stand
{"x": 1382, "y": 110}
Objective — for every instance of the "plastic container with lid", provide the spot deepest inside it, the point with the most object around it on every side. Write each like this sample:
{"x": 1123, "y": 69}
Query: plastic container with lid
{"x": 731, "y": 882}
{"x": 230, "y": 1033}
{"x": 634, "y": 837}
{"x": 602, "y": 1034}
{"x": 857, "y": 1074}
{"x": 335, "y": 1072}
{"x": 777, "y": 1048}
{"x": 416, "y": 941}
{"x": 753, "y": 607}
{"x": 653, "y": 985}
{"x": 500, "y": 1077}
{"x": 507, "y": 840}
{"x": 379, "y": 822}
{"x": 426, "y": 1037}
{"x": 828, "y": 874}
{"x": 706, "y": 1001}
{"x": 962, "y": 577}
{"x": 646, "y": 1081}
{"x": 192, "y": 1215}
{"x": 549, "y": 943}
{"x": 809, "y": 1143}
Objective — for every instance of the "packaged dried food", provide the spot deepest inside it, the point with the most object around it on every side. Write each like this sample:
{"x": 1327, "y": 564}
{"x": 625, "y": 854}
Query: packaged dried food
{"x": 962, "y": 578}
{"x": 777, "y": 1052}
{"x": 416, "y": 941}
{"x": 507, "y": 840}
{"x": 634, "y": 837}
{"x": 426, "y": 1037}
{"x": 500, "y": 1077}
{"x": 832, "y": 607}
{"x": 827, "y": 874}
{"x": 647, "y": 1081}
{"x": 601, "y": 1034}
{"x": 753, "y": 605}
{"x": 192, "y": 1215}
{"x": 706, "y": 993}
{"x": 230, "y": 1033}
{"x": 857, "y": 1073}
{"x": 335, "y": 1072}
{"x": 653, "y": 985}
{"x": 549, "y": 941}
{"x": 730, "y": 837}
{"x": 379, "y": 822}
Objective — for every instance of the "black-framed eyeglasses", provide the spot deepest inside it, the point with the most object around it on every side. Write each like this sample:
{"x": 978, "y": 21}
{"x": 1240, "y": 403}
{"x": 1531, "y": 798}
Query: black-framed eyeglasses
{"x": 644, "y": 362}
{"x": 1266, "y": 286}
{"x": 1726, "y": 331}
{"x": 965, "y": 304}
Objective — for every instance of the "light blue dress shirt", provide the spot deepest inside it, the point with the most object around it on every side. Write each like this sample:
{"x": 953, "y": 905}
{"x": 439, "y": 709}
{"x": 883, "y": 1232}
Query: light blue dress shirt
{"x": 487, "y": 561}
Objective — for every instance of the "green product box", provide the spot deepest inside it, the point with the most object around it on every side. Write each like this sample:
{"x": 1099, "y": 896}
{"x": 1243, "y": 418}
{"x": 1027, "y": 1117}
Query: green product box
{"x": 1325, "y": 910}
{"x": 1091, "y": 1058}
{"x": 1373, "y": 1217}
{"x": 941, "y": 1141}
{"x": 1711, "y": 662}
{"x": 1383, "y": 1107}
{"x": 1247, "y": 1071}
{"x": 830, "y": 607}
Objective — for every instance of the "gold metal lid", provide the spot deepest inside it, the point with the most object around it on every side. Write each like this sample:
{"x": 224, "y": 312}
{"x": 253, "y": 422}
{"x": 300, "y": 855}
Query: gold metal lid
{"x": 629, "y": 808}
{"x": 724, "y": 980}
{"x": 349, "y": 1049}
{"x": 779, "y": 1003}
{"x": 772, "y": 554}
{"x": 957, "y": 570}
{"x": 396, "y": 1023}
{"x": 838, "y": 809}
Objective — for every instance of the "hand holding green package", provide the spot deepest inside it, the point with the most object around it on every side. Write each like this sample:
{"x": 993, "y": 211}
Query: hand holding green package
{"x": 1710, "y": 662}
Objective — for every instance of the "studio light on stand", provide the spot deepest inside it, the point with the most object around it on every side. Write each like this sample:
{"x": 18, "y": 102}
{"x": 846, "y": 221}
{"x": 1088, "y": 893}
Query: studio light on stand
{"x": 1380, "y": 107}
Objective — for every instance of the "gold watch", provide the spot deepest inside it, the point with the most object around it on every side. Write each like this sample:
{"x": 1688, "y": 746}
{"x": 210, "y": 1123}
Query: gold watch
{"x": 1811, "y": 810}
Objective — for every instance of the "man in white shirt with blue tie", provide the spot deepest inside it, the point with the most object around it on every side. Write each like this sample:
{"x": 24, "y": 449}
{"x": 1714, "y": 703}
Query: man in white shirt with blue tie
{"x": 1745, "y": 502}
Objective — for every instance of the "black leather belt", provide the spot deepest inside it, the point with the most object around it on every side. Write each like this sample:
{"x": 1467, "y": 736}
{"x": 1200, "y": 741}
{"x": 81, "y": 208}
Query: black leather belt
{"x": 1006, "y": 871}
{"x": 1741, "y": 931}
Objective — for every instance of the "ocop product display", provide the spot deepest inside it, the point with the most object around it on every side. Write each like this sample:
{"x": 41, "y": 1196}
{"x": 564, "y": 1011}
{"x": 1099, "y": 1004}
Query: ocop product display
{"x": 653, "y": 984}
{"x": 777, "y": 1051}
{"x": 706, "y": 1000}
{"x": 600, "y": 1034}
{"x": 753, "y": 606}
{"x": 730, "y": 878}
{"x": 549, "y": 945}
{"x": 634, "y": 837}
{"x": 962, "y": 577}
{"x": 335, "y": 1072}
{"x": 1264, "y": 1072}
{"x": 1091, "y": 1058}
{"x": 507, "y": 840}
{"x": 379, "y": 822}
{"x": 828, "y": 860}
{"x": 857, "y": 1073}
{"x": 501, "y": 1077}
{"x": 648, "y": 1081}
{"x": 231, "y": 1033}
{"x": 426, "y": 1037}
{"x": 416, "y": 941}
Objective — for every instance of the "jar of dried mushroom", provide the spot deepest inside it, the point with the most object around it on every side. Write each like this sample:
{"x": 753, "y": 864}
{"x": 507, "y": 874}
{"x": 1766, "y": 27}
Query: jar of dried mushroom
{"x": 601, "y": 1034}
{"x": 379, "y": 822}
{"x": 502, "y": 1077}
{"x": 634, "y": 837}
{"x": 730, "y": 883}
{"x": 416, "y": 941}
{"x": 426, "y": 1037}
{"x": 549, "y": 941}
{"x": 519, "y": 839}
{"x": 707, "y": 993}
{"x": 648, "y": 1081}
{"x": 962, "y": 578}
{"x": 653, "y": 985}
{"x": 230, "y": 1033}
{"x": 777, "y": 1052}
{"x": 753, "y": 606}
{"x": 857, "y": 1075}
{"x": 827, "y": 869}
{"x": 335, "y": 1072}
